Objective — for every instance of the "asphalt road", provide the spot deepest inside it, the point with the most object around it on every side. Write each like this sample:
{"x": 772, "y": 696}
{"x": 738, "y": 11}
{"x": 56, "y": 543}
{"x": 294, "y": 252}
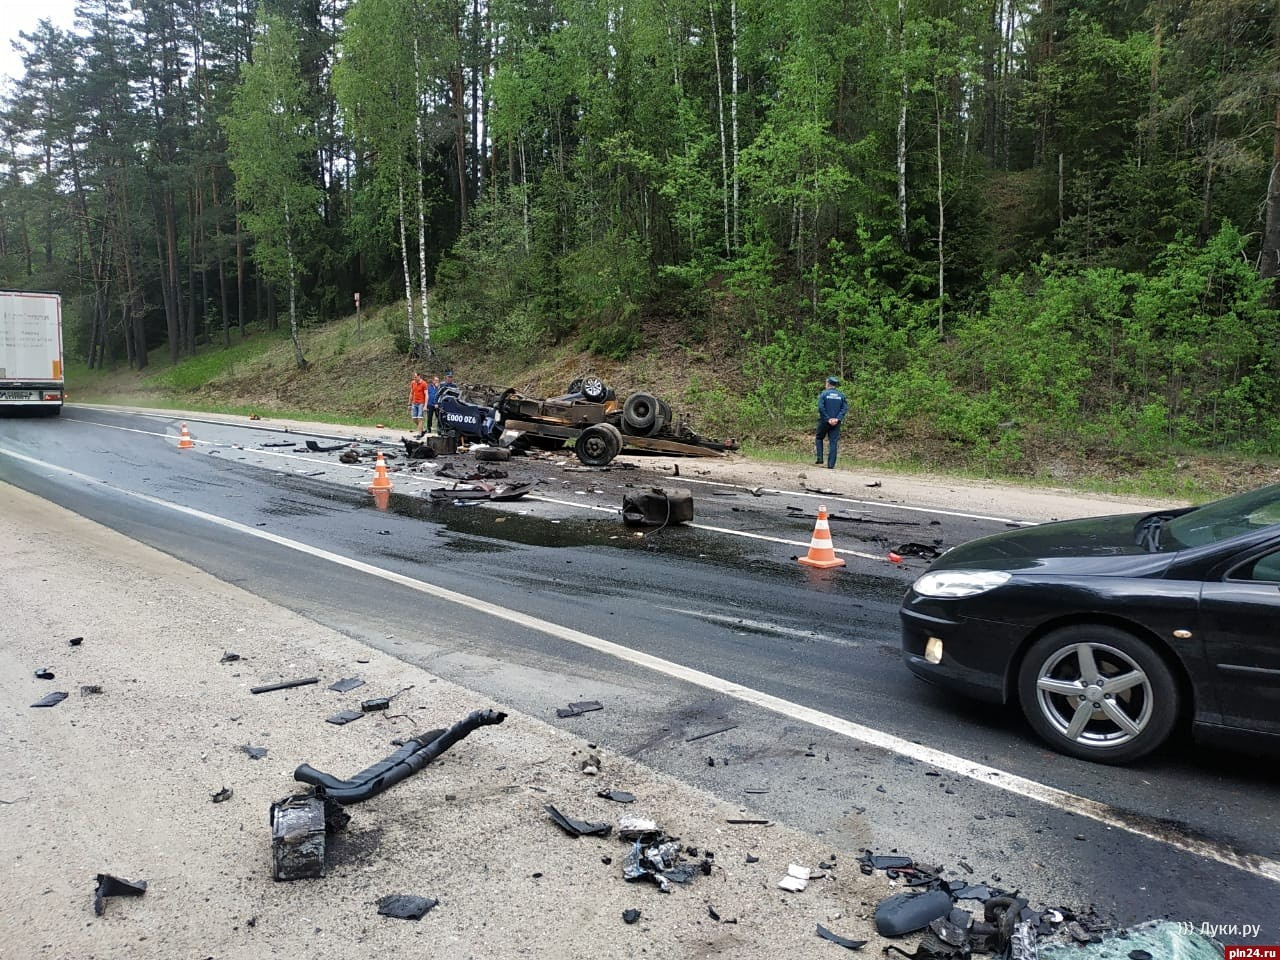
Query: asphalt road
{"x": 723, "y": 600}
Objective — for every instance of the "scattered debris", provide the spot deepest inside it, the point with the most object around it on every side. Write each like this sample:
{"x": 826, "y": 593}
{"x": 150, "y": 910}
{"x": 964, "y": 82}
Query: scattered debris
{"x": 344, "y": 717}
{"x": 657, "y": 507}
{"x": 415, "y": 754}
{"x": 284, "y": 685}
{"x": 44, "y": 673}
{"x": 76, "y": 641}
{"x": 924, "y": 551}
{"x": 712, "y": 733}
{"x": 222, "y": 796}
{"x": 348, "y": 683}
{"x": 638, "y": 828}
{"x": 328, "y": 448}
{"x": 910, "y": 911}
{"x": 255, "y": 753}
{"x": 405, "y": 906}
{"x": 578, "y": 828}
{"x": 797, "y": 878}
{"x": 869, "y": 861}
{"x": 229, "y": 657}
{"x": 617, "y": 796}
{"x": 297, "y": 837}
{"x": 51, "y": 699}
{"x": 845, "y": 942}
{"x": 751, "y": 859}
{"x": 591, "y": 765}
{"x": 578, "y": 709}
{"x": 658, "y": 862}
{"x": 630, "y": 916}
{"x": 377, "y": 703}
{"x": 90, "y": 688}
{"x": 110, "y": 886}
{"x": 749, "y": 821}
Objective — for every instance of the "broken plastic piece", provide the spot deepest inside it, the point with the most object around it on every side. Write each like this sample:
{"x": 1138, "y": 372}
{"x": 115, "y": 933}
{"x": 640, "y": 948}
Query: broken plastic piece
{"x": 377, "y": 703}
{"x": 908, "y": 912}
{"x": 229, "y": 657}
{"x": 348, "y": 683}
{"x": 109, "y": 886}
{"x": 751, "y": 859}
{"x": 630, "y": 916}
{"x": 51, "y": 699}
{"x": 284, "y": 685}
{"x": 405, "y": 906}
{"x": 343, "y": 716}
{"x": 578, "y": 709}
{"x": 578, "y": 828}
{"x": 255, "y": 753}
{"x": 617, "y": 796}
{"x": 845, "y": 942}
{"x": 793, "y": 884}
{"x": 76, "y": 641}
{"x": 222, "y": 796}
{"x": 44, "y": 673}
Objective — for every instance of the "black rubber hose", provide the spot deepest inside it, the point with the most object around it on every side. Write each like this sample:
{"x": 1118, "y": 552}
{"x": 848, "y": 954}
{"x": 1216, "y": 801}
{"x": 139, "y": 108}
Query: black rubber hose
{"x": 399, "y": 766}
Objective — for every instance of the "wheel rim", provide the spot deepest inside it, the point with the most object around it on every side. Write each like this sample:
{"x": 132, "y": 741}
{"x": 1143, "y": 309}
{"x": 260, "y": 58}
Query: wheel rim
{"x": 1095, "y": 695}
{"x": 595, "y": 446}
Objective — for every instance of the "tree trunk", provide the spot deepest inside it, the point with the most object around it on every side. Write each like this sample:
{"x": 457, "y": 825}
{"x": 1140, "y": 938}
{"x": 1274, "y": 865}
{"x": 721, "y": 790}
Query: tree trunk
{"x": 942, "y": 211}
{"x": 293, "y": 289}
{"x": 733, "y": 116}
{"x": 904, "y": 239}
{"x": 404, "y": 257}
{"x": 1268, "y": 264}
{"x": 724, "y": 146}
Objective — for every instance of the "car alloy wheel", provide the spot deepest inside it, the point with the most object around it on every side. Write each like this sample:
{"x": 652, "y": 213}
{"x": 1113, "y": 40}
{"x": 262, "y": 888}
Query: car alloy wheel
{"x": 1098, "y": 693}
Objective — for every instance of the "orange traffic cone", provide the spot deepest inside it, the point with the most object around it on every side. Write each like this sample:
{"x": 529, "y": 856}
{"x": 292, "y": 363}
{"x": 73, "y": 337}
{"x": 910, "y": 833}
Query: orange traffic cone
{"x": 184, "y": 440}
{"x": 822, "y": 553}
{"x": 380, "y": 479}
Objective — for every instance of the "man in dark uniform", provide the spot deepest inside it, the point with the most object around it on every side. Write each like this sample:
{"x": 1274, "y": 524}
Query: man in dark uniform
{"x": 832, "y": 407}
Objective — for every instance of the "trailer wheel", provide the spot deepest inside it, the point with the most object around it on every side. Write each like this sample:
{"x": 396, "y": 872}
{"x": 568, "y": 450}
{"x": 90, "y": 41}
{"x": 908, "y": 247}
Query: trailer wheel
{"x": 598, "y": 444}
{"x": 639, "y": 413}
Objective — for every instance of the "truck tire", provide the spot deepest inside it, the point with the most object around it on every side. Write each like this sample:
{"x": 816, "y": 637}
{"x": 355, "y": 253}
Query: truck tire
{"x": 492, "y": 454}
{"x": 597, "y": 445}
{"x": 640, "y": 413}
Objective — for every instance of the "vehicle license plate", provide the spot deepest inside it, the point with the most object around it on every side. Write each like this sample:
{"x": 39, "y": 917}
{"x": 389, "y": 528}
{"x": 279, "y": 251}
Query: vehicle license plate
{"x": 17, "y": 395}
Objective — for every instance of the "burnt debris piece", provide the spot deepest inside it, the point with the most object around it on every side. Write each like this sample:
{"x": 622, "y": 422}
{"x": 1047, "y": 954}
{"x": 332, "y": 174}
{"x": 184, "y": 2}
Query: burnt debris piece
{"x": 51, "y": 699}
{"x": 254, "y": 753}
{"x": 284, "y": 685}
{"x": 657, "y": 507}
{"x": 415, "y": 754}
{"x": 578, "y": 828}
{"x": 345, "y": 684}
{"x": 343, "y": 717}
{"x": 579, "y": 708}
{"x": 406, "y": 906}
{"x": 298, "y": 828}
{"x": 111, "y": 886}
{"x": 222, "y": 796}
{"x": 617, "y": 796}
{"x": 630, "y": 916}
{"x": 44, "y": 673}
{"x": 315, "y": 447}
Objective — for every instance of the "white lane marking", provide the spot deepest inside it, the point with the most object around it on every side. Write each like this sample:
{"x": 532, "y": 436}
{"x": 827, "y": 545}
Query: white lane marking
{"x": 837, "y": 498}
{"x": 761, "y": 626}
{"x": 1103, "y": 813}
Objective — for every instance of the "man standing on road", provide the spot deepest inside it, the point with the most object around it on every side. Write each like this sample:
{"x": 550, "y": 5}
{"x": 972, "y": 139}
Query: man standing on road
{"x": 832, "y": 407}
{"x": 417, "y": 401}
{"x": 433, "y": 400}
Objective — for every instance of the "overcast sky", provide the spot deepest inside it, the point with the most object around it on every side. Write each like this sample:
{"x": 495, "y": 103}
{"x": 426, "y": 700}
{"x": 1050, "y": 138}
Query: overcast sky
{"x": 17, "y": 16}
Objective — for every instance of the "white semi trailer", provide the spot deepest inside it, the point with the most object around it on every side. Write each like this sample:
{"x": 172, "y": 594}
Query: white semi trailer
{"x": 31, "y": 352}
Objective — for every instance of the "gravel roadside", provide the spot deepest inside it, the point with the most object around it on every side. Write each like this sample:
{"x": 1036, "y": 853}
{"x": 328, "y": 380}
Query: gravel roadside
{"x": 120, "y": 782}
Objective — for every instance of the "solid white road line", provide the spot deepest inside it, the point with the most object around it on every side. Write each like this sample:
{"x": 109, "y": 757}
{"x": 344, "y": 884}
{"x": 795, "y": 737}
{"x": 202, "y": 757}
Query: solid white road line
{"x": 1021, "y": 786}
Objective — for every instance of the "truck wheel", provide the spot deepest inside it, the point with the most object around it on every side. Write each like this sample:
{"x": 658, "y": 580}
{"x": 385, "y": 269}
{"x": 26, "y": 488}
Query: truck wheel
{"x": 492, "y": 454}
{"x": 598, "y": 444}
{"x": 593, "y": 389}
{"x": 639, "y": 413}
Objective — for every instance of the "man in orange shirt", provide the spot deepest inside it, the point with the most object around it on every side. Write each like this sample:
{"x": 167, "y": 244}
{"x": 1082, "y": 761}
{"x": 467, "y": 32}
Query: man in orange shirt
{"x": 417, "y": 401}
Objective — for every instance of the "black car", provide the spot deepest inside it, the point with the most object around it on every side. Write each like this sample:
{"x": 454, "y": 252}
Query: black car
{"x": 1109, "y": 631}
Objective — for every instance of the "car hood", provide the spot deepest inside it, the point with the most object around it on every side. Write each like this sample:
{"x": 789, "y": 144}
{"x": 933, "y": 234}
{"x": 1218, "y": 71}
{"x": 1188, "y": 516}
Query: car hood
{"x": 1094, "y": 545}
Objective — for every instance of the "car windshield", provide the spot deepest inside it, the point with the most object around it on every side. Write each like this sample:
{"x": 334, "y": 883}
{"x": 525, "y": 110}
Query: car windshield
{"x": 1220, "y": 520}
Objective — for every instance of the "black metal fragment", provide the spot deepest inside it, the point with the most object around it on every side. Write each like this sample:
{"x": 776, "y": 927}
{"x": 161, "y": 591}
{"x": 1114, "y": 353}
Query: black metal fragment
{"x": 109, "y": 886}
{"x": 712, "y": 733}
{"x": 578, "y": 709}
{"x": 630, "y": 916}
{"x": 405, "y": 906}
{"x": 751, "y": 859}
{"x": 223, "y": 795}
{"x": 327, "y": 448}
{"x": 51, "y": 699}
{"x": 229, "y": 657}
{"x": 345, "y": 684}
{"x": 578, "y": 828}
{"x": 76, "y": 641}
{"x": 90, "y": 688}
{"x": 617, "y": 796}
{"x": 377, "y": 703}
{"x": 845, "y": 942}
{"x": 343, "y": 717}
{"x": 285, "y": 685}
{"x": 44, "y": 673}
{"x": 255, "y": 753}
{"x": 1139, "y": 955}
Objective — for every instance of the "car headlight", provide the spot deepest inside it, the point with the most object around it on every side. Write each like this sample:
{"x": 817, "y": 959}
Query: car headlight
{"x": 960, "y": 583}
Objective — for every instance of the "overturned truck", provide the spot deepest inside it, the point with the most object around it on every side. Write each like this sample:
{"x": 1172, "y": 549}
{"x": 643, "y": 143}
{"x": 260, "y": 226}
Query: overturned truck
{"x": 589, "y": 416}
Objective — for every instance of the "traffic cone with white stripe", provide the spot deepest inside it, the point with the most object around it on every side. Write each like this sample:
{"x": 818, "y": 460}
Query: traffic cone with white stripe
{"x": 822, "y": 553}
{"x": 184, "y": 440}
{"x": 380, "y": 479}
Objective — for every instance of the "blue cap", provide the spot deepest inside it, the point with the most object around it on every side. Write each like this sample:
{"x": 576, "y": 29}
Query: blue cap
{"x": 834, "y": 381}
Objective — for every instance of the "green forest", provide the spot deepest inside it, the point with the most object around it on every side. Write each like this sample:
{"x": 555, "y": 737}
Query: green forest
{"x": 1010, "y": 227}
